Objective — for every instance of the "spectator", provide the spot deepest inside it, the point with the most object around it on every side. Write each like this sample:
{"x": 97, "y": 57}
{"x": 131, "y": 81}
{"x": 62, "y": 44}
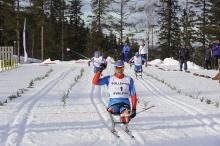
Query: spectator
{"x": 208, "y": 57}
{"x": 216, "y": 56}
{"x": 143, "y": 51}
{"x": 184, "y": 56}
{"x": 125, "y": 52}
{"x": 215, "y": 53}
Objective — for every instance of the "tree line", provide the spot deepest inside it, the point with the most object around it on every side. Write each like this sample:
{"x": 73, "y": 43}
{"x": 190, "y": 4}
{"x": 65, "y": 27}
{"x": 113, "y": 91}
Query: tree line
{"x": 195, "y": 25}
{"x": 55, "y": 25}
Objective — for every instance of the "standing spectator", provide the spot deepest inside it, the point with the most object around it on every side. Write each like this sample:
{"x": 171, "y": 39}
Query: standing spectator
{"x": 184, "y": 56}
{"x": 125, "y": 51}
{"x": 208, "y": 57}
{"x": 216, "y": 56}
{"x": 143, "y": 51}
{"x": 215, "y": 53}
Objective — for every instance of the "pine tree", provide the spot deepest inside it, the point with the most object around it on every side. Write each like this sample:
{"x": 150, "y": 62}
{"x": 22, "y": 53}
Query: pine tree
{"x": 75, "y": 19}
{"x": 38, "y": 11}
{"x": 97, "y": 25}
{"x": 55, "y": 28}
{"x": 213, "y": 28}
{"x": 7, "y": 22}
{"x": 76, "y": 26}
{"x": 118, "y": 21}
{"x": 188, "y": 33}
{"x": 202, "y": 20}
{"x": 99, "y": 12}
{"x": 169, "y": 36}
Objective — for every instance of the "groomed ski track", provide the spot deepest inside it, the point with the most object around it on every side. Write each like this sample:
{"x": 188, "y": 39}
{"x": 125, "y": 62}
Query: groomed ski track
{"x": 40, "y": 119}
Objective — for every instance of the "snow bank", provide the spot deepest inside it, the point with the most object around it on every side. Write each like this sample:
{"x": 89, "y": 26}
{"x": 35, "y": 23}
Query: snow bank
{"x": 48, "y": 61}
{"x": 170, "y": 61}
{"x": 29, "y": 60}
{"x": 193, "y": 65}
{"x": 156, "y": 62}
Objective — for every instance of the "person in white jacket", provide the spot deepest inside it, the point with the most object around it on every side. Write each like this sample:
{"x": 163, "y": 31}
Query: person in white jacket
{"x": 143, "y": 51}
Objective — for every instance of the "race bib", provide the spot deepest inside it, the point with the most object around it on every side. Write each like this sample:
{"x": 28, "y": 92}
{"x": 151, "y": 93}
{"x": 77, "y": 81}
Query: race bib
{"x": 137, "y": 60}
{"x": 119, "y": 88}
{"x": 97, "y": 61}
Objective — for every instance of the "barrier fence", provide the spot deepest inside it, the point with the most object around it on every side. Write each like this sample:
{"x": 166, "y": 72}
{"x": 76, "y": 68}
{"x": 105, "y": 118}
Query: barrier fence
{"x": 7, "y": 58}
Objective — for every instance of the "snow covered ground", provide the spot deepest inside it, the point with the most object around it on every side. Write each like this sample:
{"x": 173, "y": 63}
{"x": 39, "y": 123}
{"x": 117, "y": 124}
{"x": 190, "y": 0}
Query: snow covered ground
{"x": 40, "y": 118}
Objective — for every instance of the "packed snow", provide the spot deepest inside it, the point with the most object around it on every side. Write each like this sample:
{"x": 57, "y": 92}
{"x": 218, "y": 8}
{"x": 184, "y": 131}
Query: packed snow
{"x": 43, "y": 116}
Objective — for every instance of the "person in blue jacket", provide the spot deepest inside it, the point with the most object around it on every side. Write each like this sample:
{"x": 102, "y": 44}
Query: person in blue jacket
{"x": 120, "y": 89}
{"x": 216, "y": 56}
{"x": 125, "y": 52}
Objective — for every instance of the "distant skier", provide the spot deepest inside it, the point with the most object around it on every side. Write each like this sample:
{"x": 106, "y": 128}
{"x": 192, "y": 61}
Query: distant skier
{"x": 120, "y": 88}
{"x": 97, "y": 60}
{"x": 137, "y": 61}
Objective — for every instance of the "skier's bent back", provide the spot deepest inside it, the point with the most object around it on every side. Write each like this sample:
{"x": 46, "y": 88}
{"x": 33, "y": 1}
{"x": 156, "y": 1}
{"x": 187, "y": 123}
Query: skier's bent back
{"x": 120, "y": 88}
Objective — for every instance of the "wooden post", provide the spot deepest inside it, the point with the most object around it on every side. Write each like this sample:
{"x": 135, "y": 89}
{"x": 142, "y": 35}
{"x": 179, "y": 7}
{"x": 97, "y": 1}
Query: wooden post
{"x": 3, "y": 58}
{"x": 6, "y": 57}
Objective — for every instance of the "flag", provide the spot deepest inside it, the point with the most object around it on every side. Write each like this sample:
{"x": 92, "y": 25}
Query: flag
{"x": 24, "y": 42}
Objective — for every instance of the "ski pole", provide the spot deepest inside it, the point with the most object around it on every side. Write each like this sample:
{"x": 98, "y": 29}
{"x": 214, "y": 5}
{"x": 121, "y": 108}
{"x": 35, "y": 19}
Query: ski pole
{"x": 79, "y": 54}
{"x": 144, "y": 109}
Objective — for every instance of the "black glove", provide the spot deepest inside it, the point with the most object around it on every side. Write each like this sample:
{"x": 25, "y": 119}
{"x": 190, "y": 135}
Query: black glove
{"x": 102, "y": 66}
{"x": 133, "y": 113}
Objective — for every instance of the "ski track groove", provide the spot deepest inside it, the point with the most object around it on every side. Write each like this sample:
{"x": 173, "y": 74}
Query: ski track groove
{"x": 209, "y": 122}
{"x": 99, "y": 111}
{"x": 137, "y": 81}
{"x": 194, "y": 112}
{"x": 16, "y": 130}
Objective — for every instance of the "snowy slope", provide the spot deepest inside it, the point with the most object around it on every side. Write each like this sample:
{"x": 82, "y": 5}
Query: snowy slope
{"x": 40, "y": 118}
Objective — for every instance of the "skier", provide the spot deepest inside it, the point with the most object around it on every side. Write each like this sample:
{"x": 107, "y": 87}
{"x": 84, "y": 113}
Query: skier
{"x": 137, "y": 61}
{"x": 120, "y": 88}
{"x": 97, "y": 60}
